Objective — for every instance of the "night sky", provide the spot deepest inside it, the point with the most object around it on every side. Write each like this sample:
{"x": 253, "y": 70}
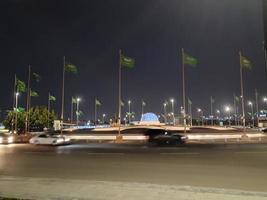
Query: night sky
{"x": 91, "y": 32}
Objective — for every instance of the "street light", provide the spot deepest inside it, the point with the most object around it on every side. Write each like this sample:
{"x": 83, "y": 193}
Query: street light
{"x": 228, "y": 110}
{"x": 218, "y": 112}
{"x": 77, "y": 111}
{"x": 165, "y": 112}
{"x": 16, "y": 112}
{"x": 265, "y": 100}
{"x": 172, "y": 102}
{"x": 199, "y": 110}
{"x": 104, "y": 115}
{"x": 129, "y": 110}
{"x": 252, "y": 113}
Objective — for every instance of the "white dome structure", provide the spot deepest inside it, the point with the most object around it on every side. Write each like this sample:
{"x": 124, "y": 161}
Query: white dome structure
{"x": 149, "y": 119}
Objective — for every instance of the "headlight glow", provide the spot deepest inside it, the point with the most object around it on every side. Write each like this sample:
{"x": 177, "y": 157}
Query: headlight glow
{"x": 10, "y": 140}
{"x": 60, "y": 140}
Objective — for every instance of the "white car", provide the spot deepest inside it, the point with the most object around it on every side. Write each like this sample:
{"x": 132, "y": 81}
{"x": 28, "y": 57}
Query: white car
{"x": 6, "y": 138}
{"x": 49, "y": 139}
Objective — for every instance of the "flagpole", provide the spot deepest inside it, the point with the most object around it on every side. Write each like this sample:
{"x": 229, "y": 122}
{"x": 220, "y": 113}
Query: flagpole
{"x": 27, "y": 129}
{"x": 62, "y": 97}
{"x": 95, "y": 112}
{"x": 119, "y": 116}
{"x": 142, "y": 110}
{"x": 183, "y": 72}
{"x": 14, "y": 97}
{"x": 211, "y": 113}
{"x": 29, "y": 117}
{"x": 189, "y": 110}
{"x": 77, "y": 112}
{"x": 265, "y": 56}
{"x": 16, "y": 113}
{"x": 257, "y": 106}
{"x": 242, "y": 92}
{"x": 48, "y": 110}
{"x": 191, "y": 115}
{"x": 234, "y": 109}
{"x": 71, "y": 111}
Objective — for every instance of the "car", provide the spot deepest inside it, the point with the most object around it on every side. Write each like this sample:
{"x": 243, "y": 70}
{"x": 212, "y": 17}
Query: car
{"x": 47, "y": 139}
{"x": 6, "y": 138}
{"x": 162, "y": 137}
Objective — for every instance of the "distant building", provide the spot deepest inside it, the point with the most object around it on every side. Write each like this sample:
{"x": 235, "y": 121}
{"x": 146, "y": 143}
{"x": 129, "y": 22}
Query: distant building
{"x": 149, "y": 119}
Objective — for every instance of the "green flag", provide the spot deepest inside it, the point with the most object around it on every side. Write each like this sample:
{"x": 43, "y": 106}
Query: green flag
{"x": 143, "y": 103}
{"x": 245, "y": 63}
{"x": 212, "y": 100}
{"x": 33, "y": 94}
{"x": 52, "y": 98}
{"x": 79, "y": 113}
{"x": 70, "y": 68}
{"x": 189, "y": 60}
{"x": 127, "y": 62}
{"x": 97, "y": 102}
{"x": 237, "y": 99}
{"x": 36, "y": 77}
{"x": 20, "y": 109}
{"x": 189, "y": 101}
{"x": 21, "y": 86}
{"x": 73, "y": 100}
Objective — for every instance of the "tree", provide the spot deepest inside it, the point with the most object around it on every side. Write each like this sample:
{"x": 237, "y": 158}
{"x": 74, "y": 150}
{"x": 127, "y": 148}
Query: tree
{"x": 21, "y": 119}
{"x": 39, "y": 118}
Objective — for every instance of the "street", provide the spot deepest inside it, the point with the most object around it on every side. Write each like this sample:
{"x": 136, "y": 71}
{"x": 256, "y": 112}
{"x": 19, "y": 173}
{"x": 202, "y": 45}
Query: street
{"x": 218, "y": 166}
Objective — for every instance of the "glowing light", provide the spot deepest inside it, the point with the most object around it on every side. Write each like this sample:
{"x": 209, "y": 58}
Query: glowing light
{"x": 227, "y": 108}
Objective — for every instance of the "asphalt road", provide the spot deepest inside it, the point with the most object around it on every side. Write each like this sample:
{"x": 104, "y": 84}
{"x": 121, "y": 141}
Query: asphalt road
{"x": 242, "y": 166}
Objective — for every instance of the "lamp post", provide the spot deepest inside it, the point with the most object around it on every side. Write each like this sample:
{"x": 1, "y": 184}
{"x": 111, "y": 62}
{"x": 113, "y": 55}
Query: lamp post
{"x": 218, "y": 112}
{"x": 265, "y": 101}
{"x": 228, "y": 110}
{"x": 200, "y": 113}
{"x": 16, "y": 113}
{"x": 165, "y": 112}
{"x": 103, "y": 116}
{"x": 252, "y": 112}
{"x": 173, "y": 118}
{"x": 77, "y": 111}
{"x": 129, "y": 110}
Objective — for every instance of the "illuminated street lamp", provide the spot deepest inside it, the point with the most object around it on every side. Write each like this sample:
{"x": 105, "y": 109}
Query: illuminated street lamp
{"x": 200, "y": 113}
{"x": 129, "y": 110}
{"x": 77, "y": 110}
{"x": 172, "y": 102}
{"x": 228, "y": 110}
{"x": 103, "y": 117}
{"x": 16, "y": 112}
{"x": 252, "y": 113}
{"x": 218, "y": 112}
{"x": 265, "y": 100}
{"x": 165, "y": 112}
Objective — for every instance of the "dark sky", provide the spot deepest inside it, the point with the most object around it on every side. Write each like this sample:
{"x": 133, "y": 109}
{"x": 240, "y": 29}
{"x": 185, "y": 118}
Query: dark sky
{"x": 90, "y": 33}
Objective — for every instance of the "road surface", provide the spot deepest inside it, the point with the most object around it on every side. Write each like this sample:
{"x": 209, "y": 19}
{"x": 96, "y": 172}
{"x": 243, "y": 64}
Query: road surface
{"x": 235, "y": 167}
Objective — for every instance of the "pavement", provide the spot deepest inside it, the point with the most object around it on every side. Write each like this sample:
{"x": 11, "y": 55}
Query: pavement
{"x": 131, "y": 171}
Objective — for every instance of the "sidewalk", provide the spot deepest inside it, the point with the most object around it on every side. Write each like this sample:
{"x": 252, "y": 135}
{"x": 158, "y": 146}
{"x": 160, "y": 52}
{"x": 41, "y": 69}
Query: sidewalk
{"x": 57, "y": 189}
